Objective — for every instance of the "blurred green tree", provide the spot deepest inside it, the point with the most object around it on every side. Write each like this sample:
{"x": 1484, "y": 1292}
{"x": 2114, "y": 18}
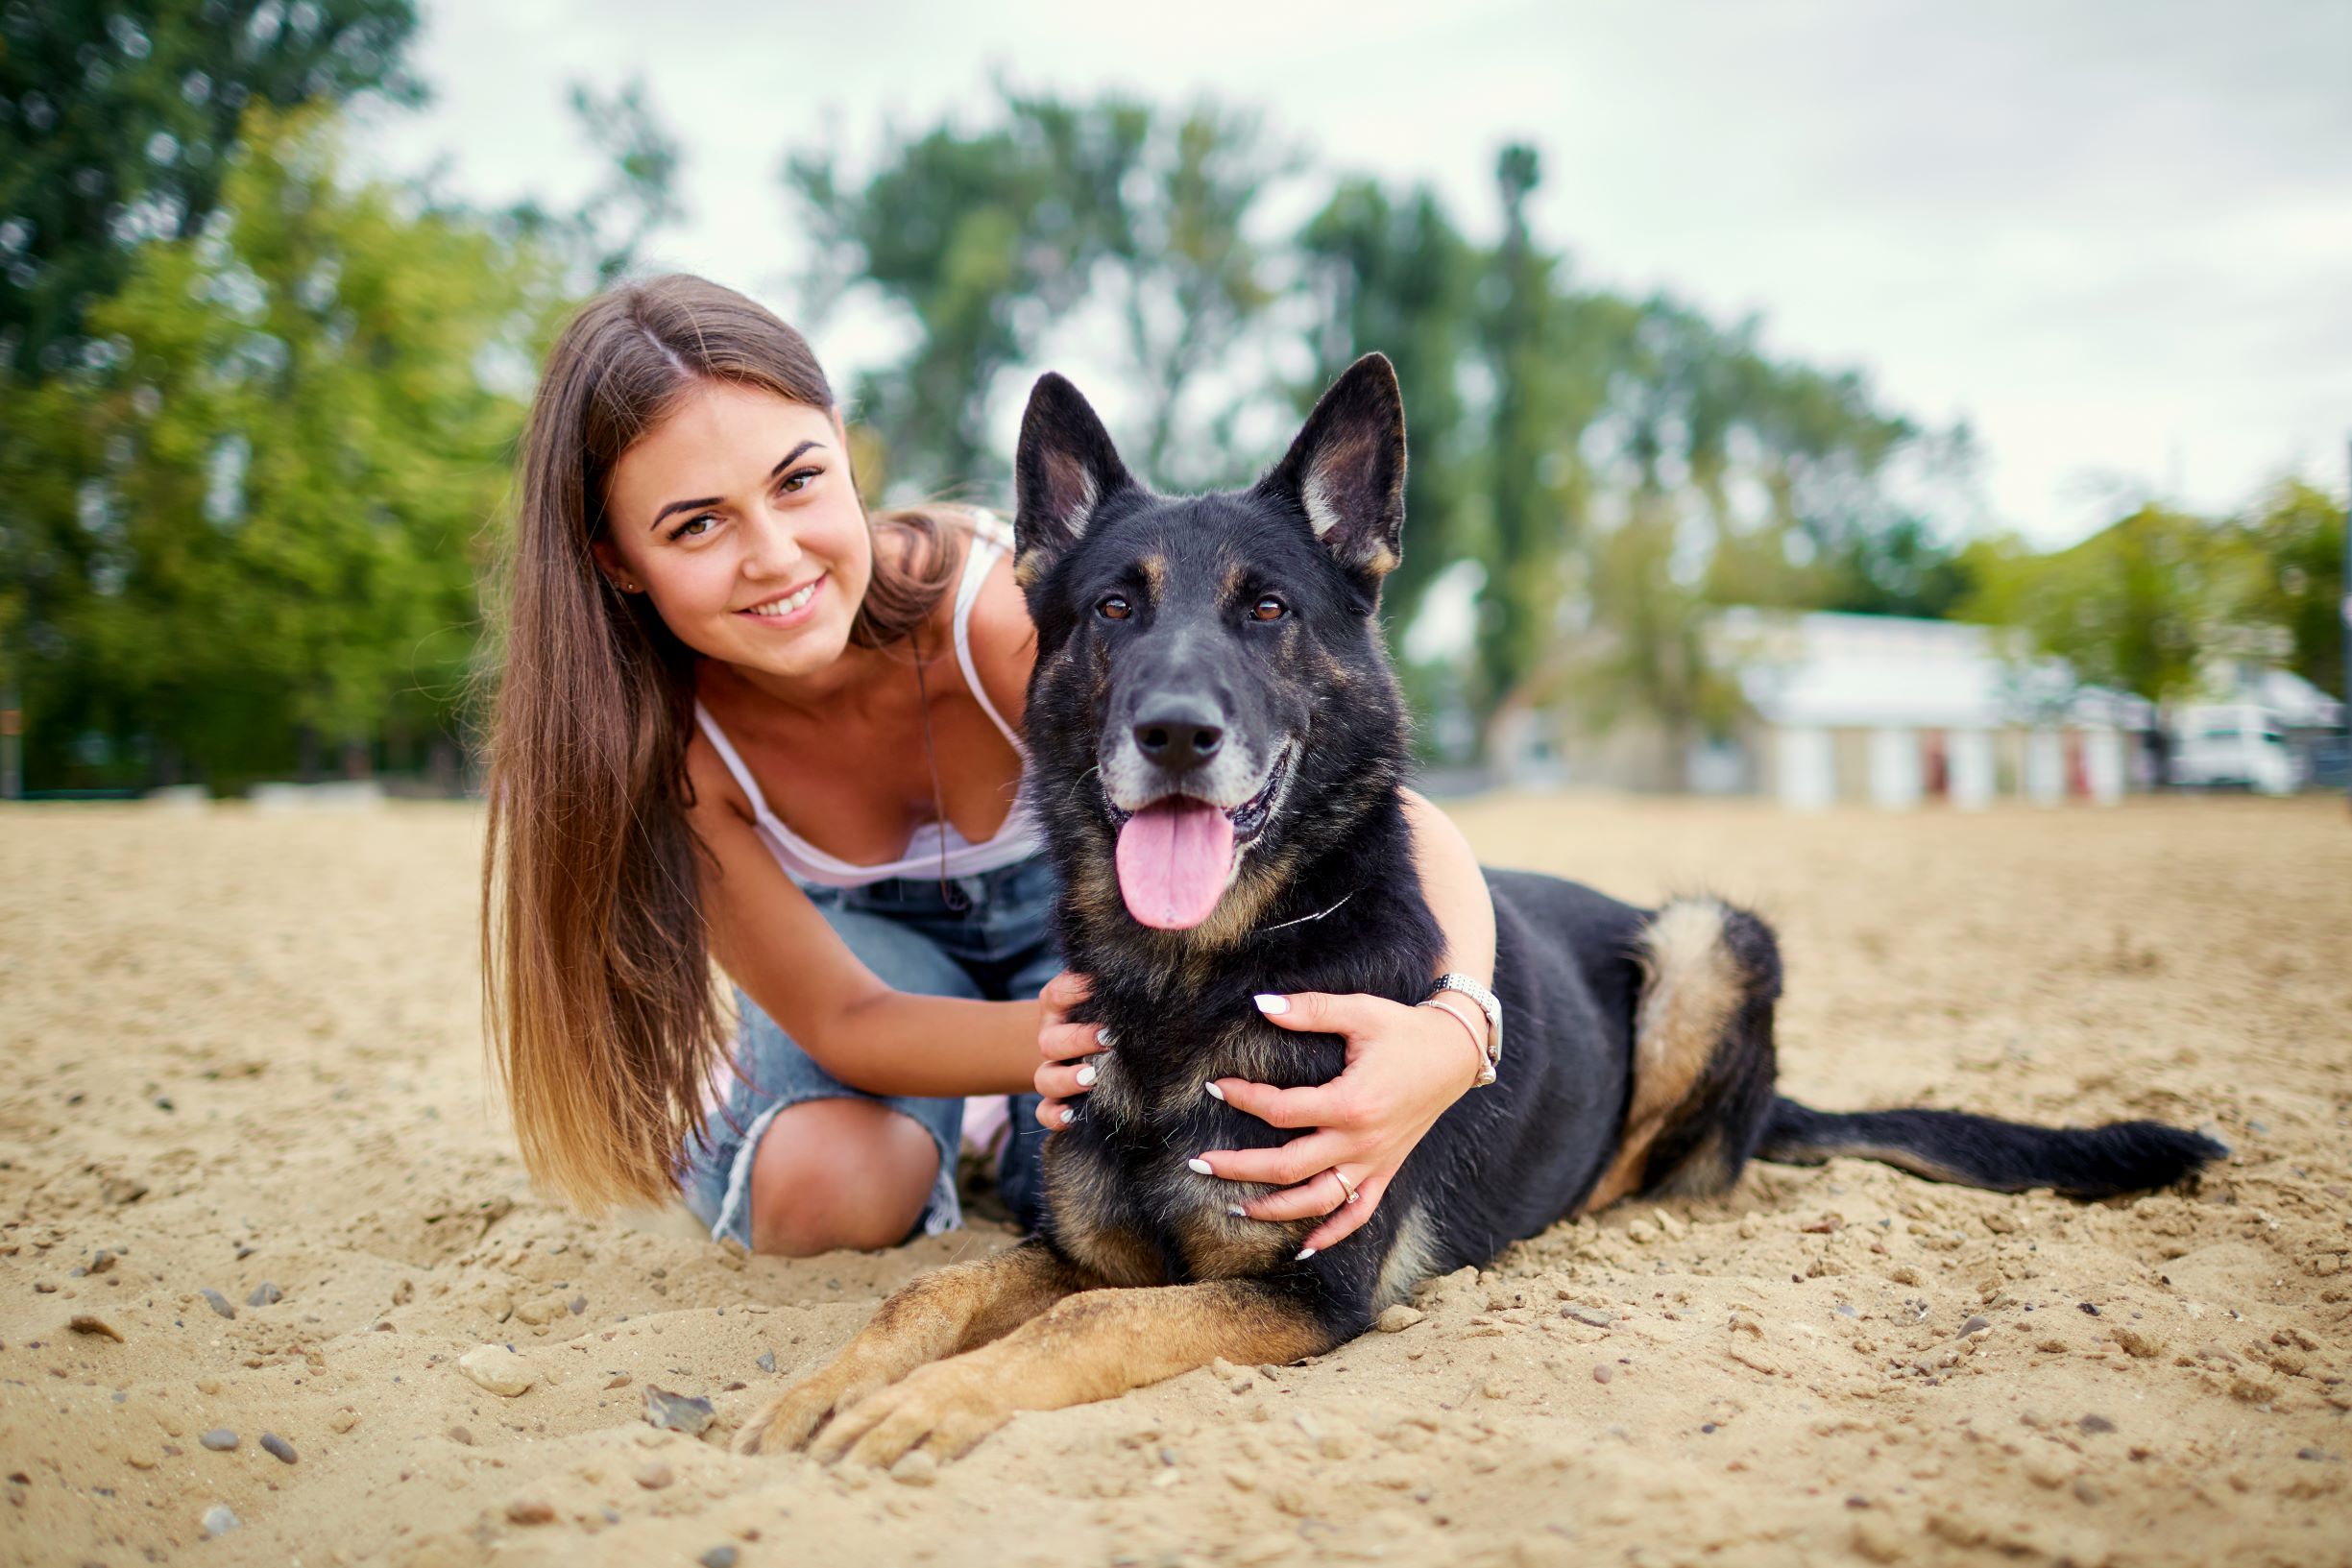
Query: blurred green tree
{"x": 1397, "y": 277}
{"x": 264, "y": 491}
{"x": 2135, "y": 607}
{"x": 2287, "y": 572}
{"x": 116, "y": 124}
{"x": 989, "y": 238}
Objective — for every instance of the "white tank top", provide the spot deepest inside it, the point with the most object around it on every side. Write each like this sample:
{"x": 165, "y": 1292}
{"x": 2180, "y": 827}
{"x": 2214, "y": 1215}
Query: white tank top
{"x": 933, "y": 842}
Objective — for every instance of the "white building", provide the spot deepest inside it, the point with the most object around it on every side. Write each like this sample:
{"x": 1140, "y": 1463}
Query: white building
{"x": 1896, "y": 712}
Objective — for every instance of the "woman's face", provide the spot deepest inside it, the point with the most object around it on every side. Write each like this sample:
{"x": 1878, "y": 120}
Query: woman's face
{"x": 737, "y": 517}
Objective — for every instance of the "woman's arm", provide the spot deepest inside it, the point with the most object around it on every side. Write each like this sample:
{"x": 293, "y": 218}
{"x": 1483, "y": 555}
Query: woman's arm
{"x": 787, "y": 958}
{"x": 1405, "y": 1066}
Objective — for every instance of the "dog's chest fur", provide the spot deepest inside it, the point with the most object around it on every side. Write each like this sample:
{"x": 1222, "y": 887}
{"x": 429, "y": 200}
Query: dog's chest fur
{"x": 1125, "y": 1201}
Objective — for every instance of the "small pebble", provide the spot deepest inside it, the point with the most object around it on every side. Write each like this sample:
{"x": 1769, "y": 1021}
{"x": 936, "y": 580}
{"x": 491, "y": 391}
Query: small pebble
{"x": 1589, "y": 1316}
{"x": 766, "y": 1362}
{"x": 2093, "y": 1425}
{"x": 461, "y": 1435}
{"x": 220, "y": 1520}
{"x": 916, "y": 1469}
{"x": 245, "y": 1251}
{"x": 530, "y": 1510}
{"x": 654, "y": 1475}
{"x": 578, "y": 1304}
{"x": 343, "y": 1420}
{"x": 278, "y": 1448}
{"x": 719, "y": 1557}
{"x": 220, "y": 1440}
{"x": 1399, "y": 1318}
{"x": 265, "y": 1294}
{"x": 101, "y": 1262}
{"x": 2316, "y": 1454}
{"x": 218, "y": 1302}
{"x": 2086, "y": 1307}
{"x": 98, "y": 1327}
{"x": 1973, "y": 1324}
{"x": 678, "y": 1413}
{"x": 498, "y": 1369}
{"x": 1603, "y": 1373}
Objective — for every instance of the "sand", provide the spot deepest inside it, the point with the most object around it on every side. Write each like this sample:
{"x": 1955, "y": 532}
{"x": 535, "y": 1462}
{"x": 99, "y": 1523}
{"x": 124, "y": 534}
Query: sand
{"x": 245, "y": 1053}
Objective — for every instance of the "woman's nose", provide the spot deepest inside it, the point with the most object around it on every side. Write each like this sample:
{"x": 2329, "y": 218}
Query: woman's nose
{"x": 775, "y": 547}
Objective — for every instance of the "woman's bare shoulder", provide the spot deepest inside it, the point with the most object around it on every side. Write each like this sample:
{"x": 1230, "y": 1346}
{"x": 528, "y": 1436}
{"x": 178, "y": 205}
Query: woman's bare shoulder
{"x": 712, "y": 793}
{"x": 1004, "y": 640}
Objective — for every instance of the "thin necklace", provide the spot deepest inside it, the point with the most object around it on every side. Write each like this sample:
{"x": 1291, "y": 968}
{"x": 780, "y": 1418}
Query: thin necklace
{"x": 948, "y": 894}
{"x": 1303, "y": 919}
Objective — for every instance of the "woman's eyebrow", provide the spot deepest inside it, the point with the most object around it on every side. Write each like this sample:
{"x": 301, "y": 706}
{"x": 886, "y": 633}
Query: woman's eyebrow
{"x": 682, "y": 506}
{"x": 792, "y": 456}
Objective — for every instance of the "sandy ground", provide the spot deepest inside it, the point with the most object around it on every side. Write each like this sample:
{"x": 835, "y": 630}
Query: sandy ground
{"x": 244, "y": 1058}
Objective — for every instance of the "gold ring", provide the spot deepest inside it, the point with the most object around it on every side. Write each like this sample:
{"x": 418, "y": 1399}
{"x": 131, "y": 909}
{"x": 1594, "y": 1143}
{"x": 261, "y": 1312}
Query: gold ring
{"x": 1345, "y": 1183}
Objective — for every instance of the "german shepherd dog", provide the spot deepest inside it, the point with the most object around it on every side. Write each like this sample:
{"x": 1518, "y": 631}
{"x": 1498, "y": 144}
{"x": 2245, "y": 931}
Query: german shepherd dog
{"x": 1216, "y": 745}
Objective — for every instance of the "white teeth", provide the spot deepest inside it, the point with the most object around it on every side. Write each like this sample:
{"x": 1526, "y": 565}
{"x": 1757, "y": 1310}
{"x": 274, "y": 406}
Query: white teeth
{"x": 786, "y": 605}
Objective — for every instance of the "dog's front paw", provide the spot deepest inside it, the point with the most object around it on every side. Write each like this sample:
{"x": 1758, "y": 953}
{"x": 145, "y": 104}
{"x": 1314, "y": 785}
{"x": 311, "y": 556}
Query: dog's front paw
{"x": 945, "y": 1407}
{"x": 788, "y": 1420}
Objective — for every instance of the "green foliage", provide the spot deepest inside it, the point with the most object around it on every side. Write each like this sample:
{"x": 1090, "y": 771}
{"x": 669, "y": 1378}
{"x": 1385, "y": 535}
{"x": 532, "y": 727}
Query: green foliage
{"x": 257, "y": 512}
{"x": 1398, "y": 277}
{"x": 2289, "y": 564}
{"x": 2132, "y": 607}
{"x": 989, "y": 237}
{"x": 117, "y": 123}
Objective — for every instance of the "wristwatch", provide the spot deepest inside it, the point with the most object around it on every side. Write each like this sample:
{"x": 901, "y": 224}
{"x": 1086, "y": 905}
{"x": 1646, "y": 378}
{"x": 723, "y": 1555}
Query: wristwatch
{"x": 1493, "y": 1045}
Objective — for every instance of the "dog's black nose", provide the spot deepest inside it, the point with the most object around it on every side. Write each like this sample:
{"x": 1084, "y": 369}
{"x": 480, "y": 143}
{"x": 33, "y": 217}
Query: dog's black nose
{"x": 1179, "y": 733}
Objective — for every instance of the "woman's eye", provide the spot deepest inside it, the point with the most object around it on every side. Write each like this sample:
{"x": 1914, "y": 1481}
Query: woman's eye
{"x": 799, "y": 479}
{"x": 1114, "y": 608}
{"x": 694, "y": 527}
{"x": 1269, "y": 608}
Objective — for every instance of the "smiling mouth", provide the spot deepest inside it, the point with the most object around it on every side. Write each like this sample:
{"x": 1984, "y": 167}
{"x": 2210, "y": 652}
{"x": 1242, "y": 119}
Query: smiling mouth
{"x": 783, "y": 604}
{"x": 1177, "y": 855}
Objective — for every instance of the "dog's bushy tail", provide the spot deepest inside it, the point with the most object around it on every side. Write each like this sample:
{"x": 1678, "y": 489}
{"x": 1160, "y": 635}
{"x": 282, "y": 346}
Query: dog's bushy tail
{"x": 1985, "y": 1151}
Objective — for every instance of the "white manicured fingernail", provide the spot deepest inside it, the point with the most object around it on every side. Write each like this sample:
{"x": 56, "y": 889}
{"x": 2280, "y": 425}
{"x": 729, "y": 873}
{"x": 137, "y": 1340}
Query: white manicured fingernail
{"x": 1214, "y": 1093}
{"x": 1305, "y": 1253}
{"x": 1269, "y": 1002}
{"x": 1103, "y": 1037}
{"x": 1237, "y": 1211}
{"x": 1199, "y": 1167}
{"x": 1086, "y": 1077}
{"x": 1068, "y": 1115}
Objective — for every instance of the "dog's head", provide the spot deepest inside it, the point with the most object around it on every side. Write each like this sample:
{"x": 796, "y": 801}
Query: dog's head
{"x": 1209, "y": 664}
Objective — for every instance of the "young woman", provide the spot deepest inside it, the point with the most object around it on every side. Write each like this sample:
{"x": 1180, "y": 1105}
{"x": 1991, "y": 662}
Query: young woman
{"x": 742, "y": 718}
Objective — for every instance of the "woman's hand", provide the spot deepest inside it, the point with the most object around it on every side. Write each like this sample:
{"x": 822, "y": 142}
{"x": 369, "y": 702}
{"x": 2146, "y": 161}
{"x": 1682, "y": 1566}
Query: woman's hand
{"x": 1405, "y": 1066}
{"x": 1065, "y": 1071}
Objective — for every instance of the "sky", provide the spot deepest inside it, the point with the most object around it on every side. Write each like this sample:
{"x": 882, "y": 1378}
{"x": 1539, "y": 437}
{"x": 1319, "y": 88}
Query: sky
{"x": 2114, "y": 236}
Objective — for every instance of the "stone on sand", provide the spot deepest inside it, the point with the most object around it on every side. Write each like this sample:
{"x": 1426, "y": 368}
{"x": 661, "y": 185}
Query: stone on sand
{"x": 498, "y": 1369}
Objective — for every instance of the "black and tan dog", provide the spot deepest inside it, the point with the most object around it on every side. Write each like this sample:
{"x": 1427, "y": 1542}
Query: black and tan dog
{"x": 1216, "y": 742}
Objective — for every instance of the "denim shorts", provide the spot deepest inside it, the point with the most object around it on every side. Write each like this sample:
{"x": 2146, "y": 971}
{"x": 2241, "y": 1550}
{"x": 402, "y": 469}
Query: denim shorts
{"x": 987, "y": 938}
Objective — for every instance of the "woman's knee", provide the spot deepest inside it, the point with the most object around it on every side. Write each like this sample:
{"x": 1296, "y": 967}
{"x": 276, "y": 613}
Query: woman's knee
{"x": 834, "y": 1174}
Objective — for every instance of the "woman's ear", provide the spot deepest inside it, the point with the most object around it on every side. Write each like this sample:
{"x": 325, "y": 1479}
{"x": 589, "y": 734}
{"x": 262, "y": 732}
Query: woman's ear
{"x": 615, "y": 573}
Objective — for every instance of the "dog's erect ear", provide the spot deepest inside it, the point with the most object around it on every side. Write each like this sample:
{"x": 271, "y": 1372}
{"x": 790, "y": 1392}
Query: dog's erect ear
{"x": 1065, "y": 471}
{"x": 1347, "y": 470}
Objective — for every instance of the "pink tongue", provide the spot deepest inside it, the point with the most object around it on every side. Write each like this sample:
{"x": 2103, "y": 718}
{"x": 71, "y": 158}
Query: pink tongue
{"x": 1174, "y": 860}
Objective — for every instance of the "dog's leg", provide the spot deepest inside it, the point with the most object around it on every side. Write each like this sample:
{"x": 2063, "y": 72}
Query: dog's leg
{"x": 1691, "y": 989}
{"x": 939, "y": 1314}
{"x": 1090, "y": 1346}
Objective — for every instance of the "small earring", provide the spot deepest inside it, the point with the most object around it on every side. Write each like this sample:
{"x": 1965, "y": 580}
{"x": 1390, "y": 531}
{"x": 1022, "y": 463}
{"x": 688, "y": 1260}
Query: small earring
{"x": 627, "y": 585}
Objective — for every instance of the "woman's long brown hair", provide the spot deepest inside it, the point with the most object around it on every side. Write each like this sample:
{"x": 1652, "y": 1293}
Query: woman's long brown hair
{"x": 605, "y": 1015}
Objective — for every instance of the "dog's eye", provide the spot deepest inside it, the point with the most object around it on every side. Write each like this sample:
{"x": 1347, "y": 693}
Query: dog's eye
{"x": 1114, "y": 608}
{"x": 1269, "y": 608}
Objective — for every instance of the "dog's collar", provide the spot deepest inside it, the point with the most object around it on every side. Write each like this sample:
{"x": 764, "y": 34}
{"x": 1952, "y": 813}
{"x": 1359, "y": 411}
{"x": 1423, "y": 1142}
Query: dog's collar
{"x": 1303, "y": 919}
